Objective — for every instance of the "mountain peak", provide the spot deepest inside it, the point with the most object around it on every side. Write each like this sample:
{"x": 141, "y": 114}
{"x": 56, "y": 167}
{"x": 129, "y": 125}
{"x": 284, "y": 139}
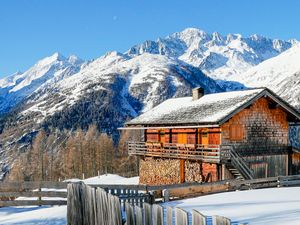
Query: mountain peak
{"x": 56, "y": 57}
{"x": 73, "y": 59}
{"x": 189, "y": 33}
{"x": 217, "y": 37}
{"x": 113, "y": 54}
{"x": 257, "y": 37}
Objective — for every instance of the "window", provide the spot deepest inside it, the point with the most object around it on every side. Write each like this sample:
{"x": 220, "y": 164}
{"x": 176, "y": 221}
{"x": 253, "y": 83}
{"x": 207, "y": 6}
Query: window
{"x": 236, "y": 132}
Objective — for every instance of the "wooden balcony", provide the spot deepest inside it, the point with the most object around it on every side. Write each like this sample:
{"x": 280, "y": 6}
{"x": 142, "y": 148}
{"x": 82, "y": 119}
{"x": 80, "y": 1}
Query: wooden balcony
{"x": 205, "y": 153}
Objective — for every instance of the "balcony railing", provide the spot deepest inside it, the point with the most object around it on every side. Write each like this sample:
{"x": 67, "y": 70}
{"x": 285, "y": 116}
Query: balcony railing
{"x": 205, "y": 153}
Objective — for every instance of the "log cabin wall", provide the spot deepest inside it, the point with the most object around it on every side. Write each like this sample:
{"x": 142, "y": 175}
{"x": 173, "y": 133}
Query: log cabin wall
{"x": 260, "y": 134}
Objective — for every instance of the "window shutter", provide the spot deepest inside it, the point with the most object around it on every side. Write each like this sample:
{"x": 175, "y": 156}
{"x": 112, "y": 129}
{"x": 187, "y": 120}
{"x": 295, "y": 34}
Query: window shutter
{"x": 236, "y": 132}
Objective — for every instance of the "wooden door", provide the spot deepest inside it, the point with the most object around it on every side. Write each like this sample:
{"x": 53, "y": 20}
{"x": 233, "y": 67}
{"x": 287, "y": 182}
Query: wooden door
{"x": 182, "y": 138}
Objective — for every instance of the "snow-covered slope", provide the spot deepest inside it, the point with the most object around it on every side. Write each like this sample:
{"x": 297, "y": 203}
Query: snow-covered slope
{"x": 106, "y": 92}
{"x": 221, "y": 57}
{"x": 16, "y": 87}
{"x": 281, "y": 74}
{"x": 147, "y": 79}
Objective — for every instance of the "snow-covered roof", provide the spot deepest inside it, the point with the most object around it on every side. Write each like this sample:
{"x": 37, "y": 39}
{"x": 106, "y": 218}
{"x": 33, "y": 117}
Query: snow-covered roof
{"x": 209, "y": 109}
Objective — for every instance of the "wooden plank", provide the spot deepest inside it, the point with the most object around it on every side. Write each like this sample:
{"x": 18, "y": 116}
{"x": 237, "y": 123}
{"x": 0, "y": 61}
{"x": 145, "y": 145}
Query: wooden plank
{"x": 158, "y": 214}
{"x": 120, "y": 187}
{"x": 197, "y": 190}
{"x": 116, "y": 211}
{"x": 129, "y": 214}
{"x": 29, "y": 185}
{"x": 181, "y": 217}
{"x": 147, "y": 213}
{"x": 74, "y": 208}
{"x": 182, "y": 170}
{"x": 32, "y": 202}
{"x": 139, "y": 215}
{"x": 88, "y": 198}
{"x": 59, "y": 194}
{"x": 220, "y": 220}
{"x": 169, "y": 216}
{"x": 101, "y": 207}
{"x": 198, "y": 218}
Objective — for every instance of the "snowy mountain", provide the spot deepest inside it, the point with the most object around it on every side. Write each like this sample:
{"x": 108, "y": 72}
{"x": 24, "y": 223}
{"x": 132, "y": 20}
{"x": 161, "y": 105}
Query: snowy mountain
{"x": 18, "y": 86}
{"x": 142, "y": 82}
{"x": 220, "y": 57}
{"x": 281, "y": 74}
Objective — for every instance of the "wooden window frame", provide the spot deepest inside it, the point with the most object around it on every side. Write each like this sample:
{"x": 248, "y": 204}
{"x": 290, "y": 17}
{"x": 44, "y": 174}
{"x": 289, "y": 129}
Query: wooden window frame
{"x": 236, "y": 132}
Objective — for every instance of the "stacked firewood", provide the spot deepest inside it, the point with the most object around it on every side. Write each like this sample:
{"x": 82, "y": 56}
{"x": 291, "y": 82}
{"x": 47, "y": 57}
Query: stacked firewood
{"x": 159, "y": 171}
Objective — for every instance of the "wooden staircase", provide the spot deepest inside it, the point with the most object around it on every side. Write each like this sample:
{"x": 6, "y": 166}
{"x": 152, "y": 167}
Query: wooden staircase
{"x": 236, "y": 174}
{"x": 238, "y": 167}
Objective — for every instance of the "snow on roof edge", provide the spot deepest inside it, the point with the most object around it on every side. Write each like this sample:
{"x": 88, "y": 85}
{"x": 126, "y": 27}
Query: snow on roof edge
{"x": 133, "y": 122}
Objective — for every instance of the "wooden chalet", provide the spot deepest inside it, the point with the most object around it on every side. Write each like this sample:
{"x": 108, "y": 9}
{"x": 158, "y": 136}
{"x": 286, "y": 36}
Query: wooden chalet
{"x": 239, "y": 134}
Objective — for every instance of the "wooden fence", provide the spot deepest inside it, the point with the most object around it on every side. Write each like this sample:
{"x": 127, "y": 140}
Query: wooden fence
{"x": 36, "y": 193}
{"x": 43, "y": 193}
{"x": 94, "y": 206}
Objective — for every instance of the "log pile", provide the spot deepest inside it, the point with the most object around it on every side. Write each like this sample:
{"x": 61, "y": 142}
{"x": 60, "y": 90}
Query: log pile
{"x": 159, "y": 171}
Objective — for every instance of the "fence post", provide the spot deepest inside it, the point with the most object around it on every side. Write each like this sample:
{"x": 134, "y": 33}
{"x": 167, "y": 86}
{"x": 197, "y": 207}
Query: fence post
{"x": 101, "y": 207}
{"x": 138, "y": 215}
{"x": 129, "y": 214}
{"x": 75, "y": 207}
{"x": 40, "y": 189}
{"x": 147, "y": 214}
{"x": 166, "y": 195}
{"x": 88, "y": 204}
{"x": 116, "y": 210}
{"x": 198, "y": 218}
{"x": 181, "y": 217}
{"x": 220, "y": 220}
{"x": 169, "y": 216}
{"x": 158, "y": 215}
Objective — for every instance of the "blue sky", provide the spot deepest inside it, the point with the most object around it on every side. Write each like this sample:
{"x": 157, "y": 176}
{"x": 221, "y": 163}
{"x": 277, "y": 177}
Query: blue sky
{"x": 33, "y": 29}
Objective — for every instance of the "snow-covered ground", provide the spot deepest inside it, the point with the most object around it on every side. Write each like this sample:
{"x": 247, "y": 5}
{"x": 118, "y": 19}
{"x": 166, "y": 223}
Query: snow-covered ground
{"x": 53, "y": 215}
{"x": 276, "y": 206}
{"x": 266, "y": 206}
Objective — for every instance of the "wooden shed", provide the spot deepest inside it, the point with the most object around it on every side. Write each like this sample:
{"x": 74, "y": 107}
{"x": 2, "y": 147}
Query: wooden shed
{"x": 238, "y": 134}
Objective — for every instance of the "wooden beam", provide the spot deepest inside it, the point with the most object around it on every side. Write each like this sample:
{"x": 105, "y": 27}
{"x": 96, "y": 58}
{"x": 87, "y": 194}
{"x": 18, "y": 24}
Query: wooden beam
{"x": 32, "y": 202}
{"x": 58, "y": 194}
{"x": 182, "y": 171}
